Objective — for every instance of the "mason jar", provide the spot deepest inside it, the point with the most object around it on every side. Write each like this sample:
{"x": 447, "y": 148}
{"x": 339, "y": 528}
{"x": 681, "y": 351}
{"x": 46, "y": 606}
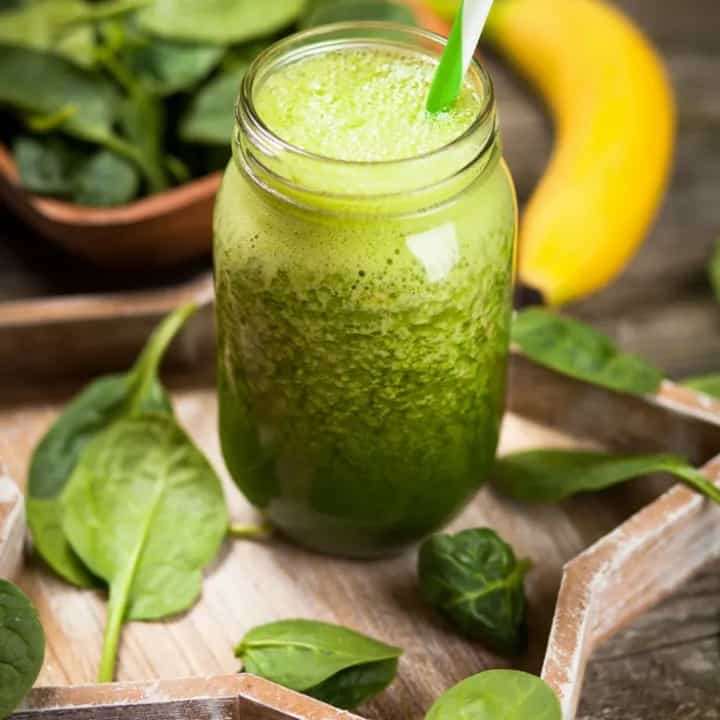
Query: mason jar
{"x": 363, "y": 313}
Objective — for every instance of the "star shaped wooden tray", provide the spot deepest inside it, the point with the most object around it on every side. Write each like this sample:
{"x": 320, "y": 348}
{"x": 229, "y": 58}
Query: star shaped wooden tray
{"x": 599, "y": 561}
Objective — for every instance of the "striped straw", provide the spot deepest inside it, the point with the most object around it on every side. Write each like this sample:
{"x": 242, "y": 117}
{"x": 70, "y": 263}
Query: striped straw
{"x": 455, "y": 62}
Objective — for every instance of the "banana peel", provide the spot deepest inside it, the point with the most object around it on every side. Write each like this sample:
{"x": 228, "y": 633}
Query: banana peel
{"x": 615, "y": 119}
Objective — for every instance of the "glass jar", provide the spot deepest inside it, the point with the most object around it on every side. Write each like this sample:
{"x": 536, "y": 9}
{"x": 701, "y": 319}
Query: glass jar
{"x": 363, "y": 313}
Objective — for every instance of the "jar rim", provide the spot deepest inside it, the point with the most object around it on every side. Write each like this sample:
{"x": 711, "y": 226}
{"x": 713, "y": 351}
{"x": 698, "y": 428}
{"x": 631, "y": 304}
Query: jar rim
{"x": 247, "y": 116}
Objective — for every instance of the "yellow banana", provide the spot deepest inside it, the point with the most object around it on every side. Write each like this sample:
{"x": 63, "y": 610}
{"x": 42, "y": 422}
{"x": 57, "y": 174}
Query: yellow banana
{"x": 614, "y": 113}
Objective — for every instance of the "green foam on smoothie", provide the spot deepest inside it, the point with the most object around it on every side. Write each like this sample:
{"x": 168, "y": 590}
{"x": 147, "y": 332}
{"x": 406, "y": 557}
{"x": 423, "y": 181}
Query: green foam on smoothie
{"x": 362, "y": 105}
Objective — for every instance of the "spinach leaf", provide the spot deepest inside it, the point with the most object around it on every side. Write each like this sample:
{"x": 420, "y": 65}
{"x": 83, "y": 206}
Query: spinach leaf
{"x": 575, "y": 349}
{"x": 22, "y": 646}
{"x": 143, "y": 119}
{"x": 355, "y": 685}
{"x": 141, "y": 113}
{"x": 223, "y": 22}
{"x": 167, "y": 66}
{"x": 714, "y": 270}
{"x": 707, "y": 384}
{"x": 323, "y": 12}
{"x": 98, "y": 406}
{"x": 33, "y": 81}
{"x": 329, "y": 662}
{"x": 42, "y": 24}
{"x": 549, "y": 476}
{"x": 498, "y": 695}
{"x": 106, "y": 179}
{"x": 47, "y": 166}
{"x": 37, "y": 82}
{"x": 209, "y": 118}
{"x": 161, "y": 66}
{"x": 96, "y": 12}
{"x": 475, "y": 580}
{"x": 56, "y": 166}
{"x": 145, "y": 511}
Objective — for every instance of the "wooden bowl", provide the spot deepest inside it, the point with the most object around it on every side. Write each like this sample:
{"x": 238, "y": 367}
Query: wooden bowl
{"x": 157, "y": 231}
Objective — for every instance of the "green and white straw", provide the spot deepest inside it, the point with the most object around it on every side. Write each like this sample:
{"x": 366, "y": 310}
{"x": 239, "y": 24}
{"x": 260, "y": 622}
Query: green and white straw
{"x": 455, "y": 62}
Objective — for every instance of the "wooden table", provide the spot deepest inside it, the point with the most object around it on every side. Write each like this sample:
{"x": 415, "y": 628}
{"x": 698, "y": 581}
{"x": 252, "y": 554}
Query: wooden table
{"x": 666, "y": 665}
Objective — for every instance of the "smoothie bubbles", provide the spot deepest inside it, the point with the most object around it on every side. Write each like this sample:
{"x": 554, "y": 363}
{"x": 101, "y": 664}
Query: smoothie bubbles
{"x": 363, "y": 264}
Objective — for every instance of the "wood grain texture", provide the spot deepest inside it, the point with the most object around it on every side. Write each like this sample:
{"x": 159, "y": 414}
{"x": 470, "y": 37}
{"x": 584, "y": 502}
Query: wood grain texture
{"x": 224, "y": 697}
{"x": 624, "y": 574}
{"x": 666, "y": 664}
{"x": 100, "y": 333}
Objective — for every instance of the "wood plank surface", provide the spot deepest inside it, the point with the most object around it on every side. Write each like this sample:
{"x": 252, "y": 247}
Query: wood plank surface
{"x": 665, "y": 665}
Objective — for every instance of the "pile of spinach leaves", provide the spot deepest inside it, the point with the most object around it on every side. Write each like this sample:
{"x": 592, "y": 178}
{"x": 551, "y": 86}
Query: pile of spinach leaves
{"x": 119, "y": 495}
{"x": 105, "y": 101}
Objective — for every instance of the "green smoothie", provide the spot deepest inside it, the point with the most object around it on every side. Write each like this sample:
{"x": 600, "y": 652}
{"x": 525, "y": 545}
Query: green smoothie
{"x": 363, "y": 333}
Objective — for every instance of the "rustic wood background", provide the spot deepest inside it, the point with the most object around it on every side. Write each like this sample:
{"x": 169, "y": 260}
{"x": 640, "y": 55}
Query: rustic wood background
{"x": 666, "y": 665}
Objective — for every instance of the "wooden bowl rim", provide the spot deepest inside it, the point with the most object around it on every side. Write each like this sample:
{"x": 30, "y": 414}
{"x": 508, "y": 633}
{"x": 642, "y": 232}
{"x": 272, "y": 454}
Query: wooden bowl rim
{"x": 59, "y": 211}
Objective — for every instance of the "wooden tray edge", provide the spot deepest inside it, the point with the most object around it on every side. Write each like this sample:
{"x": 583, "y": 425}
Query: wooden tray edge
{"x": 246, "y": 696}
{"x": 105, "y": 306}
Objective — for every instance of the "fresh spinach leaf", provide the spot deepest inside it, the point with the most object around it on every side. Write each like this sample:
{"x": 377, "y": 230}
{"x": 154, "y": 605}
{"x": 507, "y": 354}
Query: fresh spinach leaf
{"x": 549, "y": 476}
{"x": 329, "y": 662}
{"x": 498, "y": 695}
{"x": 42, "y": 24}
{"x": 209, "y": 118}
{"x": 143, "y": 119}
{"x": 707, "y": 384}
{"x": 22, "y": 646}
{"x": 56, "y": 166}
{"x": 242, "y": 55}
{"x": 223, "y": 22}
{"x": 141, "y": 112}
{"x": 38, "y": 82}
{"x": 96, "y": 12}
{"x": 475, "y": 580}
{"x": 97, "y": 407}
{"x": 145, "y": 511}
{"x": 355, "y": 685}
{"x": 577, "y": 350}
{"x": 330, "y": 11}
{"x": 106, "y": 179}
{"x": 162, "y": 66}
{"x": 168, "y": 67}
{"x": 47, "y": 166}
